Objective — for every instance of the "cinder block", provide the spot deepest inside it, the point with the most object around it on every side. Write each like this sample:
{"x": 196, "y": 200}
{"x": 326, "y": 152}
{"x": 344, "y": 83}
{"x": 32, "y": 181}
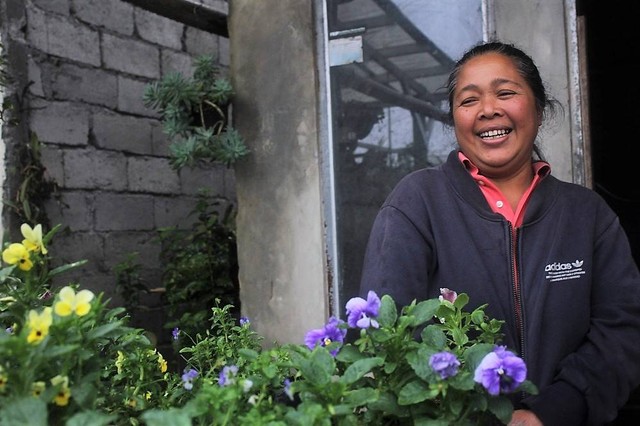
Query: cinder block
{"x": 95, "y": 169}
{"x": 114, "y": 15}
{"x": 198, "y": 42}
{"x": 131, "y": 97}
{"x": 153, "y": 175}
{"x": 63, "y": 123}
{"x": 62, "y": 37}
{"x": 158, "y": 29}
{"x": 91, "y": 85}
{"x": 72, "y": 209}
{"x": 123, "y": 212}
{"x": 57, "y": 6}
{"x": 131, "y": 56}
{"x": 122, "y": 132}
{"x": 210, "y": 177}
{"x": 119, "y": 244}
{"x": 173, "y": 62}
{"x": 52, "y": 160}
{"x": 175, "y": 212}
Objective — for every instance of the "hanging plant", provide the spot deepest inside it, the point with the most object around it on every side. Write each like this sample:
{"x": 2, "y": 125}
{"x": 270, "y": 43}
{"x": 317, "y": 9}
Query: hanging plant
{"x": 195, "y": 115}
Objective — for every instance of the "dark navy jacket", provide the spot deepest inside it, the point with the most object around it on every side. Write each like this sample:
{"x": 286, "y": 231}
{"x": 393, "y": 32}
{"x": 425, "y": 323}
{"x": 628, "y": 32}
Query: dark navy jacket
{"x": 579, "y": 285}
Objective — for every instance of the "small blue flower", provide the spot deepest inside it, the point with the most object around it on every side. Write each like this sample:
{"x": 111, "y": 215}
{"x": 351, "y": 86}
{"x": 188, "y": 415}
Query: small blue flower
{"x": 331, "y": 332}
{"x": 244, "y": 321}
{"x": 361, "y": 313}
{"x": 445, "y": 364}
{"x": 500, "y": 371}
{"x": 226, "y": 376}
{"x": 188, "y": 377}
{"x": 287, "y": 389}
{"x": 175, "y": 333}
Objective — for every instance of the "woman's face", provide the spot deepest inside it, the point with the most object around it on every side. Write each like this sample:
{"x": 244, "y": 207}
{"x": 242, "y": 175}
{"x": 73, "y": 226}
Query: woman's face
{"x": 495, "y": 116}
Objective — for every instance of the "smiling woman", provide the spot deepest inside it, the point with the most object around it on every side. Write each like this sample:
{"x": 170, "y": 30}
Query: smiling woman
{"x": 492, "y": 219}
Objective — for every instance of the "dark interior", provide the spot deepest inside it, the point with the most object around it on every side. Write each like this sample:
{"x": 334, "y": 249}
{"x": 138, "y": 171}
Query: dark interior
{"x": 613, "y": 66}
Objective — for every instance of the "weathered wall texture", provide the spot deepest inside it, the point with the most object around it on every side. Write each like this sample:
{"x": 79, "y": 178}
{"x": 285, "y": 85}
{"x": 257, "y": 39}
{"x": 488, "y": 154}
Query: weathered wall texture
{"x": 280, "y": 225}
{"x": 83, "y": 66}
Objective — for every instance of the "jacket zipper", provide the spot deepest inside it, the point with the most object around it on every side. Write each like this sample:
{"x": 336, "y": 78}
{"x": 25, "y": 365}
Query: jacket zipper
{"x": 517, "y": 293}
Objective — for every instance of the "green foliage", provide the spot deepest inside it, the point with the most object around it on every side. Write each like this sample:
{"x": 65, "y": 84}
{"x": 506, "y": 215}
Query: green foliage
{"x": 199, "y": 265}
{"x": 194, "y": 115}
{"x": 68, "y": 359}
{"x": 60, "y": 346}
{"x": 34, "y": 187}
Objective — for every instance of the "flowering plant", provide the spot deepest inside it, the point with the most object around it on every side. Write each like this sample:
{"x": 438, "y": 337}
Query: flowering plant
{"x": 68, "y": 359}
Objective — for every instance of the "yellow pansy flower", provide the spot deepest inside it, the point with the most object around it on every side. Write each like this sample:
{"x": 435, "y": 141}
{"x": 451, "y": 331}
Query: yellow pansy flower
{"x": 17, "y": 253}
{"x": 70, "y": 302}
{"x": 162, "y": 363}
{"x": 64, "y": 393}
{"x": 38, "y": 324}
{"x": 37, "y": 388}
{"x": 33, "y": 238}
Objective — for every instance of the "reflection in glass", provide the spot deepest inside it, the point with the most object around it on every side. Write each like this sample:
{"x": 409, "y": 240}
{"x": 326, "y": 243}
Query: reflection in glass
{"x": 390, "y": 105}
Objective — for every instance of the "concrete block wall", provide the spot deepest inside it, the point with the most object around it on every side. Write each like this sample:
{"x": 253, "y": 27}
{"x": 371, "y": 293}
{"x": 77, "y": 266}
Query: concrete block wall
{"x": 83, "y": 66}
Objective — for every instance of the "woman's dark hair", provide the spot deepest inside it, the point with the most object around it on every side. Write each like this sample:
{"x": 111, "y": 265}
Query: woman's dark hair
{"x": 525, "y": 65}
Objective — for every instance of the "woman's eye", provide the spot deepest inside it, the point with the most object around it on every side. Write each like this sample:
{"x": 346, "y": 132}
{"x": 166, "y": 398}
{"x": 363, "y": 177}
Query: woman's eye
{"x": 467, "y": 101}
{"x": 506, "y": 93}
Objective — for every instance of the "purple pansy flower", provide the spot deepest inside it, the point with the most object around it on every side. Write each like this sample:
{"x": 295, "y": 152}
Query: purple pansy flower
{"x": 331, "y": 332}
{"x": 175, "y": 333}
{"x": 446, "y": 294}
{"x": 188, "y": 377}
{"x": 244, "y": 321}
{"x": 226, "y": 376}
{"x": 445, "y": 364}
{"x": 500, "y": 371}
{"x": 361, "y": 313}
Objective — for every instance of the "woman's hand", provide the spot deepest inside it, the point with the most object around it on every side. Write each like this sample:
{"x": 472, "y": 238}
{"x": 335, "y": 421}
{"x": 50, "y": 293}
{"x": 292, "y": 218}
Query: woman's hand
{"x": 524, "y": 418}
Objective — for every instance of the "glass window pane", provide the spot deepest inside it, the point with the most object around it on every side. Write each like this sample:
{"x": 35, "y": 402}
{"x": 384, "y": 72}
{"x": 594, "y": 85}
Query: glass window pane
{"x": 389, "y": 103}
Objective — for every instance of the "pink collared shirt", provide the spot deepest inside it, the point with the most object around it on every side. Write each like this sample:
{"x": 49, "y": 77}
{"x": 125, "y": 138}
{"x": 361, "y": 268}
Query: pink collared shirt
{"x": 494, "y": 196}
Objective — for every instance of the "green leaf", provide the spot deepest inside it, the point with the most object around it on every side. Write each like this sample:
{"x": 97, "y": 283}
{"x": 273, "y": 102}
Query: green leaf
{"x": 27, "y": 411}
{"x": 460, "y": 337}
{"x": 388, "y": 311}
{"x": 424, "y": 311}
{"x": 461, "y": 301}
{"x": 415, "y": 392}
{"x": 359, "y": 368}
{"x": 528, "y": 387}
{"x": 59, "y": 350}
{"x": 64, "y": 268}
{"x": 419, "y": 362}
{"x": 433, "y": 336}
{"x": 473, "y": 355}
{"x": 91, "y": 418}
{"x": 349, "y": 354}
{"x": 502, "y": 408}
{"x": 172, "y": 417}
{"x": 319, "y": 367}
{"x": 362, "y": 396}
{"x": 5, "y": 272}
{"x": 387, "y": 403}
{"x": 425, "y": 421}
{"x": 103, "y": 330}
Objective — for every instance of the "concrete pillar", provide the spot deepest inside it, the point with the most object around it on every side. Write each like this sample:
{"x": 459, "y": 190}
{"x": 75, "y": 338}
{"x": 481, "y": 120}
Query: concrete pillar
{"x": 280, "y": 233}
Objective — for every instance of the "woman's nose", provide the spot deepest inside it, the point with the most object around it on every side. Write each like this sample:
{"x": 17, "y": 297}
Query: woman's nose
{"x": 489, "y": 108}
